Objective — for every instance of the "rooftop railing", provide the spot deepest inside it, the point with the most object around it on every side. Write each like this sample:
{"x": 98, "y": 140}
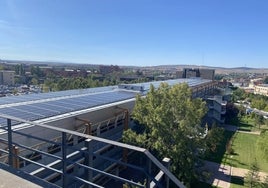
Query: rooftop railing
{"x": 75, "y": 159}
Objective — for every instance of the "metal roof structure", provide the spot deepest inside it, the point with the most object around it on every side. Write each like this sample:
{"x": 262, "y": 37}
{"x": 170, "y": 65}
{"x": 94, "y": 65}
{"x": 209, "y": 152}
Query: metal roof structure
{"x": 64, "y": 158}
{"x": 192, "y": 82}
{"x": 43, "y": 105}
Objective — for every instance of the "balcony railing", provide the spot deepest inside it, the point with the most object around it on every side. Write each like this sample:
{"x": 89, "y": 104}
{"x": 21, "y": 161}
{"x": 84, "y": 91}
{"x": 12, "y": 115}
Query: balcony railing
{"x": 76, "y": 162}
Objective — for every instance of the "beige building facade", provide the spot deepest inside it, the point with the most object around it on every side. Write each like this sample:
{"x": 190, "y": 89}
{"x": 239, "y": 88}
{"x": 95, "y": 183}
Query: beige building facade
{"x": 261, "y": 89}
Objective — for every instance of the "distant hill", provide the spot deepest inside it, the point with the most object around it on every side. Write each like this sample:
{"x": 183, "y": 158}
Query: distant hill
{"x": 172, "y": 68}
{"x": 221, "y": 70}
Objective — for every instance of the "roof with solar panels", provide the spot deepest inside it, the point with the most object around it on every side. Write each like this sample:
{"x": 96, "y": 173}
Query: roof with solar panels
{"x": 44, "y": 105}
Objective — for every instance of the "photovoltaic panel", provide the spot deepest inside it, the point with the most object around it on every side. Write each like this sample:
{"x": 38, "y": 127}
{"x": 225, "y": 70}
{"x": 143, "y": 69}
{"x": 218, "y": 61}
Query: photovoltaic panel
{"x": 27, "y": 115}
{"x": 146, "y": 86}
{"x": 37, "y": 110}
{"x": 32, "y": 97}
{"x": 39, "y": 106}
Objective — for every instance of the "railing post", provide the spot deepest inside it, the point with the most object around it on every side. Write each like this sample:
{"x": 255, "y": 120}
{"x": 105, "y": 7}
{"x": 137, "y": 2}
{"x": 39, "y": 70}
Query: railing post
{"x": 89, "y": 160}
{"x": 166, "y": 162}
{"x": 10, "y": 143}
{"x": 16, "y": 161}
{"x": 63, "y": 149}
{"x": 149, "y": 170}
{"x": 126, "y": 122}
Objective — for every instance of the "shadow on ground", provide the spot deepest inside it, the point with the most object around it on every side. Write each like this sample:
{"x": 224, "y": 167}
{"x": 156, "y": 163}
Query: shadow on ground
{"x": 237, "y": 180}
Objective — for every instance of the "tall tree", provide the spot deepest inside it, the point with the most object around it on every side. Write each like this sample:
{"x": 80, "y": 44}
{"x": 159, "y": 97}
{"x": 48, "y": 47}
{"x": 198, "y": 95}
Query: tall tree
{"x": 259, "y": 120}
{"x": 238, "y": 94}
{"x": 171, "y": 121}
{"x": 213, "y": 139}
{"x": 252, "y": 178}
{"x": 262, "y": 144}
{"x": 265, "y": 80}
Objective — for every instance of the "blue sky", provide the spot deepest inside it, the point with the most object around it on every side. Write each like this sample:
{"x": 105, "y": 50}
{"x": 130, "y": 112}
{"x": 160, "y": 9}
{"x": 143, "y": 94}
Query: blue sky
{"x": 226, "y": 33}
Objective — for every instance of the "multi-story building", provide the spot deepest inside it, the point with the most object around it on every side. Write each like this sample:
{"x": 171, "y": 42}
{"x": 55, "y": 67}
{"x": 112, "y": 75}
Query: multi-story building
{"x": 261, "y": 89}
{"x": 196, "y": 72}
{"x": 7, "y": 77}
{"x": 216, "y": 109}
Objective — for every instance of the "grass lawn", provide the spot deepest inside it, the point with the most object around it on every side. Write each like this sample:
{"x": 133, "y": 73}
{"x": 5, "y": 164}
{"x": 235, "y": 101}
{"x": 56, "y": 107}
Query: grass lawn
{"x": 247, "y": 123}
{"x": 245, "y": 152}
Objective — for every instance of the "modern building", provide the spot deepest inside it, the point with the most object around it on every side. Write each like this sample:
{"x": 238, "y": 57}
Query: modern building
{"x": 196, "y": 72}
{"x": 7, "y": 77}
{"x": 72, "y": 138}
{"x": 261, "y": 89}
{"x": 216, "y": 109}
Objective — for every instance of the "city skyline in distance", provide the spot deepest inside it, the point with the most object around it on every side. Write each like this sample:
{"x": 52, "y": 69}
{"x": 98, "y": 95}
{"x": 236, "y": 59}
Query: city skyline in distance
{"x": 136, "y": 33}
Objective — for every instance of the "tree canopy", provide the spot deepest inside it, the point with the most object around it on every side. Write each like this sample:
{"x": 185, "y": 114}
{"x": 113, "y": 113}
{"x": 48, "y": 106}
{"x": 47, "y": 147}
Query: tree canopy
{"x": 252, "y": 178}
{"x": 265, "y": 80}
{"x": 171, "y": 120}
{"x": 262, "y": 144}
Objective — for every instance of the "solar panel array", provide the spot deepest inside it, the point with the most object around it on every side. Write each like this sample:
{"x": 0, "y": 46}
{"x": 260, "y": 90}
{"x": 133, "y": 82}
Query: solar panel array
{"x": 39, "y": 110}
{"x": 39, "y": 106}
{"x": 190, "y": 81}
{"x": 31, "y": 97}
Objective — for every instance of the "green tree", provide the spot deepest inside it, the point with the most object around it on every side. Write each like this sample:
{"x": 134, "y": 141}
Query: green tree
{"x": 238, "y": 94}
{"x": 262, "y": 144}
{"x": 259, "y": 103}
{"x": 171, "y": 120}
{"x": 34, "y": 81}
{"x": 258, "y": 120}
{"x": 213, "y": 139}
{"x": 17, "y": 69}
{"x": 252, "y": 178}
{"x": 265, "y": 80}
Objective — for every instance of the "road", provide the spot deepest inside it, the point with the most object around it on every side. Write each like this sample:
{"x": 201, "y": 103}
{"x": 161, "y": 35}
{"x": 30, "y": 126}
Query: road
{"x": 260, "y": 112}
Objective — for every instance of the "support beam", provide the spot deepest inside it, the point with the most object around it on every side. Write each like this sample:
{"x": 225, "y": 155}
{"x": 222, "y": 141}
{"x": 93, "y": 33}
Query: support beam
{"x": 87, "y": 123}
{"x": 126, "y": 122}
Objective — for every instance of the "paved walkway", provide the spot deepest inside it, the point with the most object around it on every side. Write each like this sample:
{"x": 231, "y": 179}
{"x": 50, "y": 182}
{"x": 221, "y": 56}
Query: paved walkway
{"x": 220, "y": 175}
{"x": 250, "y": 132}
{"x": 240, "y": 172}
{"x": 8, "y": 179}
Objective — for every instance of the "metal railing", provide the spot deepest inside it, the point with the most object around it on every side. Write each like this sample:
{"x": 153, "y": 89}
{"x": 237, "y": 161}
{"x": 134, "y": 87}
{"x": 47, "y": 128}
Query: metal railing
{"x": 76, "y": 164}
